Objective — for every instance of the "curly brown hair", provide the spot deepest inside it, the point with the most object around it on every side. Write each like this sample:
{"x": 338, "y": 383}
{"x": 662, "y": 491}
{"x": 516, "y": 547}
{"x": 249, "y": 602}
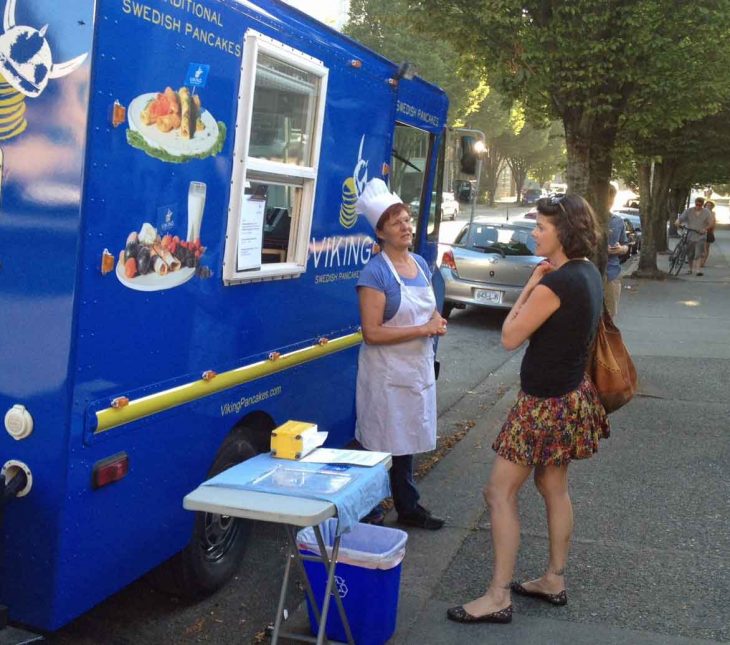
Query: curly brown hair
{"x": 575, "y": 221}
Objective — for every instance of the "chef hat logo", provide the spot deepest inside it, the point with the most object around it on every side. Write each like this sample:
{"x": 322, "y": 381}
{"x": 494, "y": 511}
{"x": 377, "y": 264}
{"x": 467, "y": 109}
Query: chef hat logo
{"x": 373, "y": 201}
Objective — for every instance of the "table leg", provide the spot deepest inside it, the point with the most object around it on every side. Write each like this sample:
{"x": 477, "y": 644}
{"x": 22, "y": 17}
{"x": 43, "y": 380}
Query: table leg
{"x": 331, "y": 564}
{"x": 303, "y": 572}
{"x": 282, "y": 594}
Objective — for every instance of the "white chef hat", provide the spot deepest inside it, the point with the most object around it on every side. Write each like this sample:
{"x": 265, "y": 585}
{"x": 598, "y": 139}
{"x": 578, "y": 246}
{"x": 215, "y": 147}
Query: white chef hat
{"x": 374, "y": 199}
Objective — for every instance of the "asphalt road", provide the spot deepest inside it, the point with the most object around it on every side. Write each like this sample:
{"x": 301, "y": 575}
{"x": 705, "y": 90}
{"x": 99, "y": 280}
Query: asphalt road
{"x": 139, "y": 614}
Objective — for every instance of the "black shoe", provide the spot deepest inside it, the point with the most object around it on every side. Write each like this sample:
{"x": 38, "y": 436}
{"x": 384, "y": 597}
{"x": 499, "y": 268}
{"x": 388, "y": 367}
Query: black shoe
{"x": 557, "y": 599}
{"x": 421, "y": 518}
{"x": 461, "y": 615}
{"x": 376, "y": 516}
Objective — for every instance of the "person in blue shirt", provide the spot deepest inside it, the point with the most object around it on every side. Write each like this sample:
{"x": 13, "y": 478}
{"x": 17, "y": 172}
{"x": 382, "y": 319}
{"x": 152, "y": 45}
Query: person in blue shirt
{"x": 396, "y": 383}
{"x": 617, "y": 246}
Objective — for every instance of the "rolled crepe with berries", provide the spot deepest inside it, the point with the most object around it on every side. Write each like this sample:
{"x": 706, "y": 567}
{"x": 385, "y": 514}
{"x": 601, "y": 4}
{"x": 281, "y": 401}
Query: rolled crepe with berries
{"x": 172, "y": 263}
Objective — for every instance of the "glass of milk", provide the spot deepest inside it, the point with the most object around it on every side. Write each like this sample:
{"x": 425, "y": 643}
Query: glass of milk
{"x": 196, "y": 206}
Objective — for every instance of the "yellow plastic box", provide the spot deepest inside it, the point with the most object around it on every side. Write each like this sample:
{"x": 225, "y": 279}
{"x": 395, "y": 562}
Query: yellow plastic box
{"x": 293, "y": 439}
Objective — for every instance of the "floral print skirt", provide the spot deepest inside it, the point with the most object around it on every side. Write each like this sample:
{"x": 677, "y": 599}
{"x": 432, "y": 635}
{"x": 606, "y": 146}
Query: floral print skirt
{"x": 553, "y": 431}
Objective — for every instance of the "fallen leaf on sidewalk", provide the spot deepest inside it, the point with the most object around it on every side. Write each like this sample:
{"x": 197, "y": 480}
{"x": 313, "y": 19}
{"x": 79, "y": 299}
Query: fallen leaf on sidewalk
{"x": 196, "y": 627}
{"x": 443, "y": 447}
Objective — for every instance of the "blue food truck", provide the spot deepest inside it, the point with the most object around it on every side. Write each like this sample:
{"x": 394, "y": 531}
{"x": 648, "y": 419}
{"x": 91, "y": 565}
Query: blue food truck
{"x": 178, "y": 254}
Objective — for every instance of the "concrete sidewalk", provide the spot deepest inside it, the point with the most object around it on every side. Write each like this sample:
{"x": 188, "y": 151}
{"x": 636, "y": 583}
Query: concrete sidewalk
{"x": 651, "y": 549}
{"x": 650, "y": 560}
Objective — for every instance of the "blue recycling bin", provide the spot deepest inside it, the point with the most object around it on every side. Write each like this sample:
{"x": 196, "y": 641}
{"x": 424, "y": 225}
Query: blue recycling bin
{"x": 367, "y": 579}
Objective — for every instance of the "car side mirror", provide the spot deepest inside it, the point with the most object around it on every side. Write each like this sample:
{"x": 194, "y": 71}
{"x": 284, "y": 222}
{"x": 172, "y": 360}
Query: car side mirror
{"x": 468, "y": 158}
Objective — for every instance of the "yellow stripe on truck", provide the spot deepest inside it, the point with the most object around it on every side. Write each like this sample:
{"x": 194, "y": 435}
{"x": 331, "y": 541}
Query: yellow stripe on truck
{"x": 146, "y": 406}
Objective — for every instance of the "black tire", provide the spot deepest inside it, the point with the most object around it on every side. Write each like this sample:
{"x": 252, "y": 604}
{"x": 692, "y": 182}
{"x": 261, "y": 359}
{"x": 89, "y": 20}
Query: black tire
{"x": 216, "y": 548}
{"x": 447, "y": 309}
{"x": 676, "y": 261}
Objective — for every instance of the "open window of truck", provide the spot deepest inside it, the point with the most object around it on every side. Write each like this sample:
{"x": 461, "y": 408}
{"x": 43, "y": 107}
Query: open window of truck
{"x": 281, "y": 103}
{"x": 412, "y": 150}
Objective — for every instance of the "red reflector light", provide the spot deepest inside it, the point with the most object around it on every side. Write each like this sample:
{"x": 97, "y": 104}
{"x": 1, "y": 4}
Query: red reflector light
{"x": 110, "y": 470}
{"x": 448, "y": 260}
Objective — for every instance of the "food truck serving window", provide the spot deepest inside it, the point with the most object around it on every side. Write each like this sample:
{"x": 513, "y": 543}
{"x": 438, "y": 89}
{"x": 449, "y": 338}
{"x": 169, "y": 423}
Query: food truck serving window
{"x": 278, "y": 135}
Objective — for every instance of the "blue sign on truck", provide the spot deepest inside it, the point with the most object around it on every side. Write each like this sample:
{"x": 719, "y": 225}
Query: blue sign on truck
{"x": 177, "y": 269}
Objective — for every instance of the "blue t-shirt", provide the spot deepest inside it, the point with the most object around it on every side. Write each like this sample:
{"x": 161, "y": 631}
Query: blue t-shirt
{"x": 616, "y": 235}
{"x": 377, "y": 275}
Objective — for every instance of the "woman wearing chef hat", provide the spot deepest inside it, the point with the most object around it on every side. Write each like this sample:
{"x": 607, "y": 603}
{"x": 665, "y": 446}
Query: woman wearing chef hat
{"x": 396, "y": 385}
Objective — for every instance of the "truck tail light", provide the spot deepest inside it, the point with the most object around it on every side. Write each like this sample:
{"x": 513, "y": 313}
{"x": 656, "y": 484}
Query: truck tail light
{"x": 110, "y": 470}
{"x": 448, "y": 260}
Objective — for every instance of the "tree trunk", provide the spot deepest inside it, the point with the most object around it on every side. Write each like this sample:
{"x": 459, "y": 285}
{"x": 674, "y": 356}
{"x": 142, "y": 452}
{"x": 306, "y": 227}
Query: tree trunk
{"x": 680, "y": 197}
{"x": 647, "y": 257}
{"x": 492, "y": 166}
{"x": 603, "y": 141}
{"x": 519, "y": 174}
{"x": 664, "y": 173}
{"x": 577, "y": 142}
{"x": 676, "y": 197}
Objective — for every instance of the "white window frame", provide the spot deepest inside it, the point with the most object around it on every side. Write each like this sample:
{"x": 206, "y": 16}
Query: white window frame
{"x": 306, "y": 176}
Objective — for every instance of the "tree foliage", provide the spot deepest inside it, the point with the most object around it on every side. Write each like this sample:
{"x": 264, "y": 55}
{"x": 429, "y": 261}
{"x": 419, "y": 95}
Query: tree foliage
{"x": 597, "y": 65}
{"x": 385, "y": 27}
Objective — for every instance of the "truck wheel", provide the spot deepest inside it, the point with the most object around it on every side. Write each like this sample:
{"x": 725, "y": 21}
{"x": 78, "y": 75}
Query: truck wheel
{"x": 218, "y": 543}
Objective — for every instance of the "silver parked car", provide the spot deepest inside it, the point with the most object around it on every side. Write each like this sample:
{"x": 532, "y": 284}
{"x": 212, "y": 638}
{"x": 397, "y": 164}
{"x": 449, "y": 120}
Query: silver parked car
{"x": 449, "y": 206}
{"x": 488, "y": 265}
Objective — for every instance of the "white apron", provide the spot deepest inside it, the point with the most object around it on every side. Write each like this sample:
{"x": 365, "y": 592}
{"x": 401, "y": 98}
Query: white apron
{"x": 396, "y": 384}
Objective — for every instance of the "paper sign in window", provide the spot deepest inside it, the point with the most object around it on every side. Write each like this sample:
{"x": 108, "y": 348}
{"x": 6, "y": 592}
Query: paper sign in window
{"x": 250, "y": 233}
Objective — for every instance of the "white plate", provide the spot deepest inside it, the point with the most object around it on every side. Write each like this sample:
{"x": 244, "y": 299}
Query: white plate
{"x": 171, "y": 142}
{"x": 488, "y": 295}
{"x": 154, "y": 281}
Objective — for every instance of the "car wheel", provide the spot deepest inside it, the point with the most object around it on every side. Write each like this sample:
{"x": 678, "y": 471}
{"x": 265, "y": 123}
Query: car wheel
{"x": 218, "y": 543}
{"x": 447, "y": 309}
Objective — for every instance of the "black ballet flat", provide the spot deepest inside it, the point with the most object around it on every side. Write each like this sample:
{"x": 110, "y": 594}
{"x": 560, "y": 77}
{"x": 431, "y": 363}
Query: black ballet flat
{"x": 461, "y": 615}
{"x": 557, "y": 599}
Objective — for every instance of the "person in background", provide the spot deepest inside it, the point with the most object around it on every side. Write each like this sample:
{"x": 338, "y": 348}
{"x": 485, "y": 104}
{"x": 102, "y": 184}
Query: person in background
{"x": 557, "y": 416}
{"x": 617, "y": 247}
{"x": 697, "y": 220}
{"x": 710, "y": 206}
{"x": 396, "y": 383}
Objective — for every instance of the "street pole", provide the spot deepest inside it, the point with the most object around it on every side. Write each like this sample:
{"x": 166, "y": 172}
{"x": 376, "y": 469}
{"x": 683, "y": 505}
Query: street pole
{"x": 481, "y": 140}
{"x": 474, "y": 199}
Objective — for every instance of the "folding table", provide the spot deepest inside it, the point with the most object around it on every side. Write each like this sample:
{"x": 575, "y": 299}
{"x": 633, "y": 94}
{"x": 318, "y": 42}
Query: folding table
{"x": 293, "y": 511}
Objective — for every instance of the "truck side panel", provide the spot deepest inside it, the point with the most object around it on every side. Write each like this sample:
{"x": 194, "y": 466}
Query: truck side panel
{"x": 132, "y": 342}
{"x": 43, "y": 119}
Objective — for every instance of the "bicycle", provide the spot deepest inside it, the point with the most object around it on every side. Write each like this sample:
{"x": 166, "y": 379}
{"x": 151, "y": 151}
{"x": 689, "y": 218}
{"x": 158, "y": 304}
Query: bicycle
{"x": 679, "y": 254}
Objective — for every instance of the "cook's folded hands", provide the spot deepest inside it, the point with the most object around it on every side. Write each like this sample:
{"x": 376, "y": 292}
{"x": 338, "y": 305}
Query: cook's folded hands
{"x": 436, "y": 326}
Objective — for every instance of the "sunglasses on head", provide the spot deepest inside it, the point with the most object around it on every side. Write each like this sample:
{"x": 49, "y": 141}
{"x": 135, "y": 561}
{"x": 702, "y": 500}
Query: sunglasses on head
{"x": 557, "y": 200}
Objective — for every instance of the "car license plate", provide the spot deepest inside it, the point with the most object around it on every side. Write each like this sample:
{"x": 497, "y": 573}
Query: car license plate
{"x": 491, "y": 296}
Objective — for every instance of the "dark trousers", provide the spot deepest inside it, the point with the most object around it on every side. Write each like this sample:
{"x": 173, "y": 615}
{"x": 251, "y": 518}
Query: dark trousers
{"x": 405, "y": 493}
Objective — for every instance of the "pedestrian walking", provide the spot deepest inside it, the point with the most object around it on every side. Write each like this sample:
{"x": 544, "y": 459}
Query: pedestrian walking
{"x": 557, "y": 416}
{"x": 710, "y": 206}
{"x": 617, "y": 247}
{"x": 396, "y": 382}
{"x": 697, "y": 220}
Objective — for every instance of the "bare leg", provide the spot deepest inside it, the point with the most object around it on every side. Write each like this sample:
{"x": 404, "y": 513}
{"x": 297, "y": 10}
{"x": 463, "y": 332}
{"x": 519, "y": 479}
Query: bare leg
{"x": 706, "y": 254}
{"x": 500, "y": 494}
{"x": 552, "y": 482}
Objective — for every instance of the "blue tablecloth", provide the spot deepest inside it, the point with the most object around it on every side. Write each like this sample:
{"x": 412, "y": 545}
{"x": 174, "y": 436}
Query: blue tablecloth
{"x": 354, "y": 490}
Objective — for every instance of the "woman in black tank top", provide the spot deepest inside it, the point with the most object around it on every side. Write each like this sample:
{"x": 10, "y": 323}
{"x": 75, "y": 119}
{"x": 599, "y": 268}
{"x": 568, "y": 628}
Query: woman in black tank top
{"x": 557, "y": 416}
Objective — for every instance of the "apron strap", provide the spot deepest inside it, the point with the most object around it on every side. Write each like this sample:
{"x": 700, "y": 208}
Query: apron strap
{"x": 397, "y": 275}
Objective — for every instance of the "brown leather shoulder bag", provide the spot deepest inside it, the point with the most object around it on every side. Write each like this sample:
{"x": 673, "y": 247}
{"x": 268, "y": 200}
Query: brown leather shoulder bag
{"x": 610, "y": 366}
